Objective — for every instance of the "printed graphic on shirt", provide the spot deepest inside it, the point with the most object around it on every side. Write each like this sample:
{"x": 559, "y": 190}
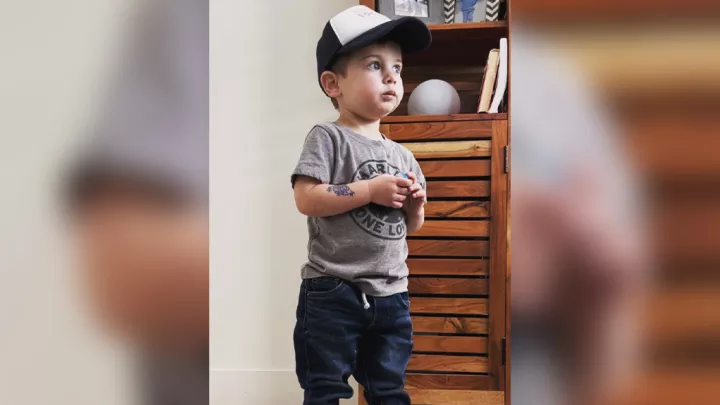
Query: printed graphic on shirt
{"x": 378, "y": 220}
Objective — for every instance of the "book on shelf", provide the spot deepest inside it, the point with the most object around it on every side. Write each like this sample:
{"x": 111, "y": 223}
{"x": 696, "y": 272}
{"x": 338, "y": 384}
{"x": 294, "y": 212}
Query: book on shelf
{"x": 488, "y": 83}
{"x": 502, "y": 77}
{"x": 504, "y": 104}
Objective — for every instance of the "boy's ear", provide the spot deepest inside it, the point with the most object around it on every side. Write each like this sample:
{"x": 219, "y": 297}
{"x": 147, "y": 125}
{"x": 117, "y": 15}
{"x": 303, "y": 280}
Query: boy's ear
{"x": 329, "y": 81}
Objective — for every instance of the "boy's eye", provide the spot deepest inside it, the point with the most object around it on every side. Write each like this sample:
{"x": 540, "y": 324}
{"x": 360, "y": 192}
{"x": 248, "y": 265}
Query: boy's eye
{"x": 374, "y": 65}
{"x": 397, "y": 68}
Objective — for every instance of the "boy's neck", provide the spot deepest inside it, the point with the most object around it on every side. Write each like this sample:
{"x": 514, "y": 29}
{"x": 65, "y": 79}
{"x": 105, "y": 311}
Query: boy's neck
{"x": 363, "y": 126}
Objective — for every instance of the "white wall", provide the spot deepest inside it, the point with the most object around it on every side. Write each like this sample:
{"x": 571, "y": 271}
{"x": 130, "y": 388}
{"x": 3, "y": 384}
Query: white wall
{"x": 264, "y": 97}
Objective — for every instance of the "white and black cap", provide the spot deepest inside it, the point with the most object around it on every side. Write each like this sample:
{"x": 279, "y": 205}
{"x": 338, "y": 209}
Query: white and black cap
{"x": 360, "y": 26}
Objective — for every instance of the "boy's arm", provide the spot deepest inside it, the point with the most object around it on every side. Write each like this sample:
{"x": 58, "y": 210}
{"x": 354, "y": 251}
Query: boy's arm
{"x": 316, "y": 199}
{"x": 415, "y": 206}
{"x": 415, "y": 220}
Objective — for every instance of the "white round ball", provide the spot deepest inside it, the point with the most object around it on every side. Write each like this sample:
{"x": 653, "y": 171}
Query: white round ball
{"x": 434, "y": 97}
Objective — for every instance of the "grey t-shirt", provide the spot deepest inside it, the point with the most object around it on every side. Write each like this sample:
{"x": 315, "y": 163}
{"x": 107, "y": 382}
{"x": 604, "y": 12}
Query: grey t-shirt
{"x": 365, "y": 246}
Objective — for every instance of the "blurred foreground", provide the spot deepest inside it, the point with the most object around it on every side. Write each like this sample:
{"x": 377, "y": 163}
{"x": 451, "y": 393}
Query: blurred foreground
{"x": 105, "y": 224}
{"x": 615, "y": 202}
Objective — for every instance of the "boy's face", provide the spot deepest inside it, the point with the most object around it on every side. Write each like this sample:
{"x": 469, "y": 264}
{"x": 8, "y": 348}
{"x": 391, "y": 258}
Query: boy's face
{"x": 372, "y": 87}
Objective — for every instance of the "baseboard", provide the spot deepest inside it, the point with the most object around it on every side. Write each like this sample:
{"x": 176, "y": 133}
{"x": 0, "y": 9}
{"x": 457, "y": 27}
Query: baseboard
{"x": 258, "y": 387}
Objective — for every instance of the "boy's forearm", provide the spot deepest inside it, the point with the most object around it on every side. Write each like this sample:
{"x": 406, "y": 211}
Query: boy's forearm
{"x": 415, "y": 221}
{"x": 325, "y": 200}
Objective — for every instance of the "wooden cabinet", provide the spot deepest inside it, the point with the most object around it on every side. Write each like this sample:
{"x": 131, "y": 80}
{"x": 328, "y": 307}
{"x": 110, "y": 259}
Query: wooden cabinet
{"x": 458, "y": 260}
{"x": 459, "y": 273}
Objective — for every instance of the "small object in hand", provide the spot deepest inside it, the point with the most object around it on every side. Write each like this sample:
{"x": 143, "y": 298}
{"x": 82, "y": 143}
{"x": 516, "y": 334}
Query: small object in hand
{"x": 405, "y": 176}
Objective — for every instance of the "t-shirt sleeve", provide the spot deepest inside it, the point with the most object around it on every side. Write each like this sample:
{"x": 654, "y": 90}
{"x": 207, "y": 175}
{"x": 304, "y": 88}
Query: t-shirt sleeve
{"x": 317, "y": 157}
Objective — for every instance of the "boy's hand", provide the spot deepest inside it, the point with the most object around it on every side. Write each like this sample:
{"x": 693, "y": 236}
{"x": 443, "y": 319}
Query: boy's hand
{"x": 417, "y": 195}
{"x": 389, "y": 190}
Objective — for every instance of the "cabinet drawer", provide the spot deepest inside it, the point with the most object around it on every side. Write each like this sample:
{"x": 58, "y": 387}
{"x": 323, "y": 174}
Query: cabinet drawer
{"x": 447, "y": 286}
{"x": 449, "y": 325}
{"x": 458, "y": 189}
{"x": 448, "y": 248}
{"x": 449, "y": 306}
{"x": 447, "y": 381}
{"x": 450, "y": 344}
{"x": 452, "y": 149}
{"x": 456, "y": 168}
{"x": 462, "y": 364}
{"x": 459, "y": 229}
{"x": 444, "y": 396}
{"x": 430, "y": 131}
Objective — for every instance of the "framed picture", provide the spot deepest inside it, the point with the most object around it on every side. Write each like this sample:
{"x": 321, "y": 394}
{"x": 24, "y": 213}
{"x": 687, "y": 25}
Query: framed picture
{"x": 470, "y": 10}
{"x": 430, "y": 11}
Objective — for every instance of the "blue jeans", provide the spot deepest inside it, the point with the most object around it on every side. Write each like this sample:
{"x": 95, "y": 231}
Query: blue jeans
{"x": 335, "y": 337}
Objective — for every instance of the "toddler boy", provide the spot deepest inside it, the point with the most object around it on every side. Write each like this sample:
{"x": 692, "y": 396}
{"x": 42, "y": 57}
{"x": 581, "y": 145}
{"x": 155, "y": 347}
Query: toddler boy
{"x": 362, "y": 194}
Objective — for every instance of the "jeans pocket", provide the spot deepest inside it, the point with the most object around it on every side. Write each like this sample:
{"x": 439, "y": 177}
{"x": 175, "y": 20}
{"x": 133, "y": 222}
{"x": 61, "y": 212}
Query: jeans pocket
{"x": 323, "y": 286}
{"x": 404, "y": 299}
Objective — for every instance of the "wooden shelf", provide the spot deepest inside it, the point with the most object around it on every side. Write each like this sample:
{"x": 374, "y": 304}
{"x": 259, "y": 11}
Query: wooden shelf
{"x": 455, "y": 117}
{"x": 483, "y": 25}
{"x": 451, "y": 42}
{"x": 468, "y": 31}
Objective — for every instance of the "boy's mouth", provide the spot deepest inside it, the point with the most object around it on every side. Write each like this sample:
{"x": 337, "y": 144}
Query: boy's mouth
{"x": 390, "y": 93}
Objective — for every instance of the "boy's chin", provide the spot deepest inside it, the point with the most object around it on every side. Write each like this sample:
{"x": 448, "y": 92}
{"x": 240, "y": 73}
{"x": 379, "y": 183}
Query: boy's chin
{"x": 384, "y": 110}
{"x": 377, "y": 111}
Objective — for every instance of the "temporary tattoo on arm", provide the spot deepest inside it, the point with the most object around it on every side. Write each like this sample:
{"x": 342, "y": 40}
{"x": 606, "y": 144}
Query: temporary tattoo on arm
{"x": 341, "y": 190}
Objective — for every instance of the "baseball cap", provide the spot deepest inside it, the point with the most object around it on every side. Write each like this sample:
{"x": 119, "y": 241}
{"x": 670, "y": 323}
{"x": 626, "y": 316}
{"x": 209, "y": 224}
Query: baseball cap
{"x": 359, "y": 26}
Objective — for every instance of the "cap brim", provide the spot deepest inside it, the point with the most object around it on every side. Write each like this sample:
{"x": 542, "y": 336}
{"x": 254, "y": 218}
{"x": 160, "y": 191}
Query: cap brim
{"x": 410, "y": 33}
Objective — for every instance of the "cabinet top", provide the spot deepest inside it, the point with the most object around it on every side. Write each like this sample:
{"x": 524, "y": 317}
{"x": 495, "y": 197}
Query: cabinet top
{"x": 435, "y": 118}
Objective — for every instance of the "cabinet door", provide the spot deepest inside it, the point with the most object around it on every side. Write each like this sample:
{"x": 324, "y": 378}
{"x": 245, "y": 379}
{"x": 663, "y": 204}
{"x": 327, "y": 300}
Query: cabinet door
{"x": 458, "y": 262}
